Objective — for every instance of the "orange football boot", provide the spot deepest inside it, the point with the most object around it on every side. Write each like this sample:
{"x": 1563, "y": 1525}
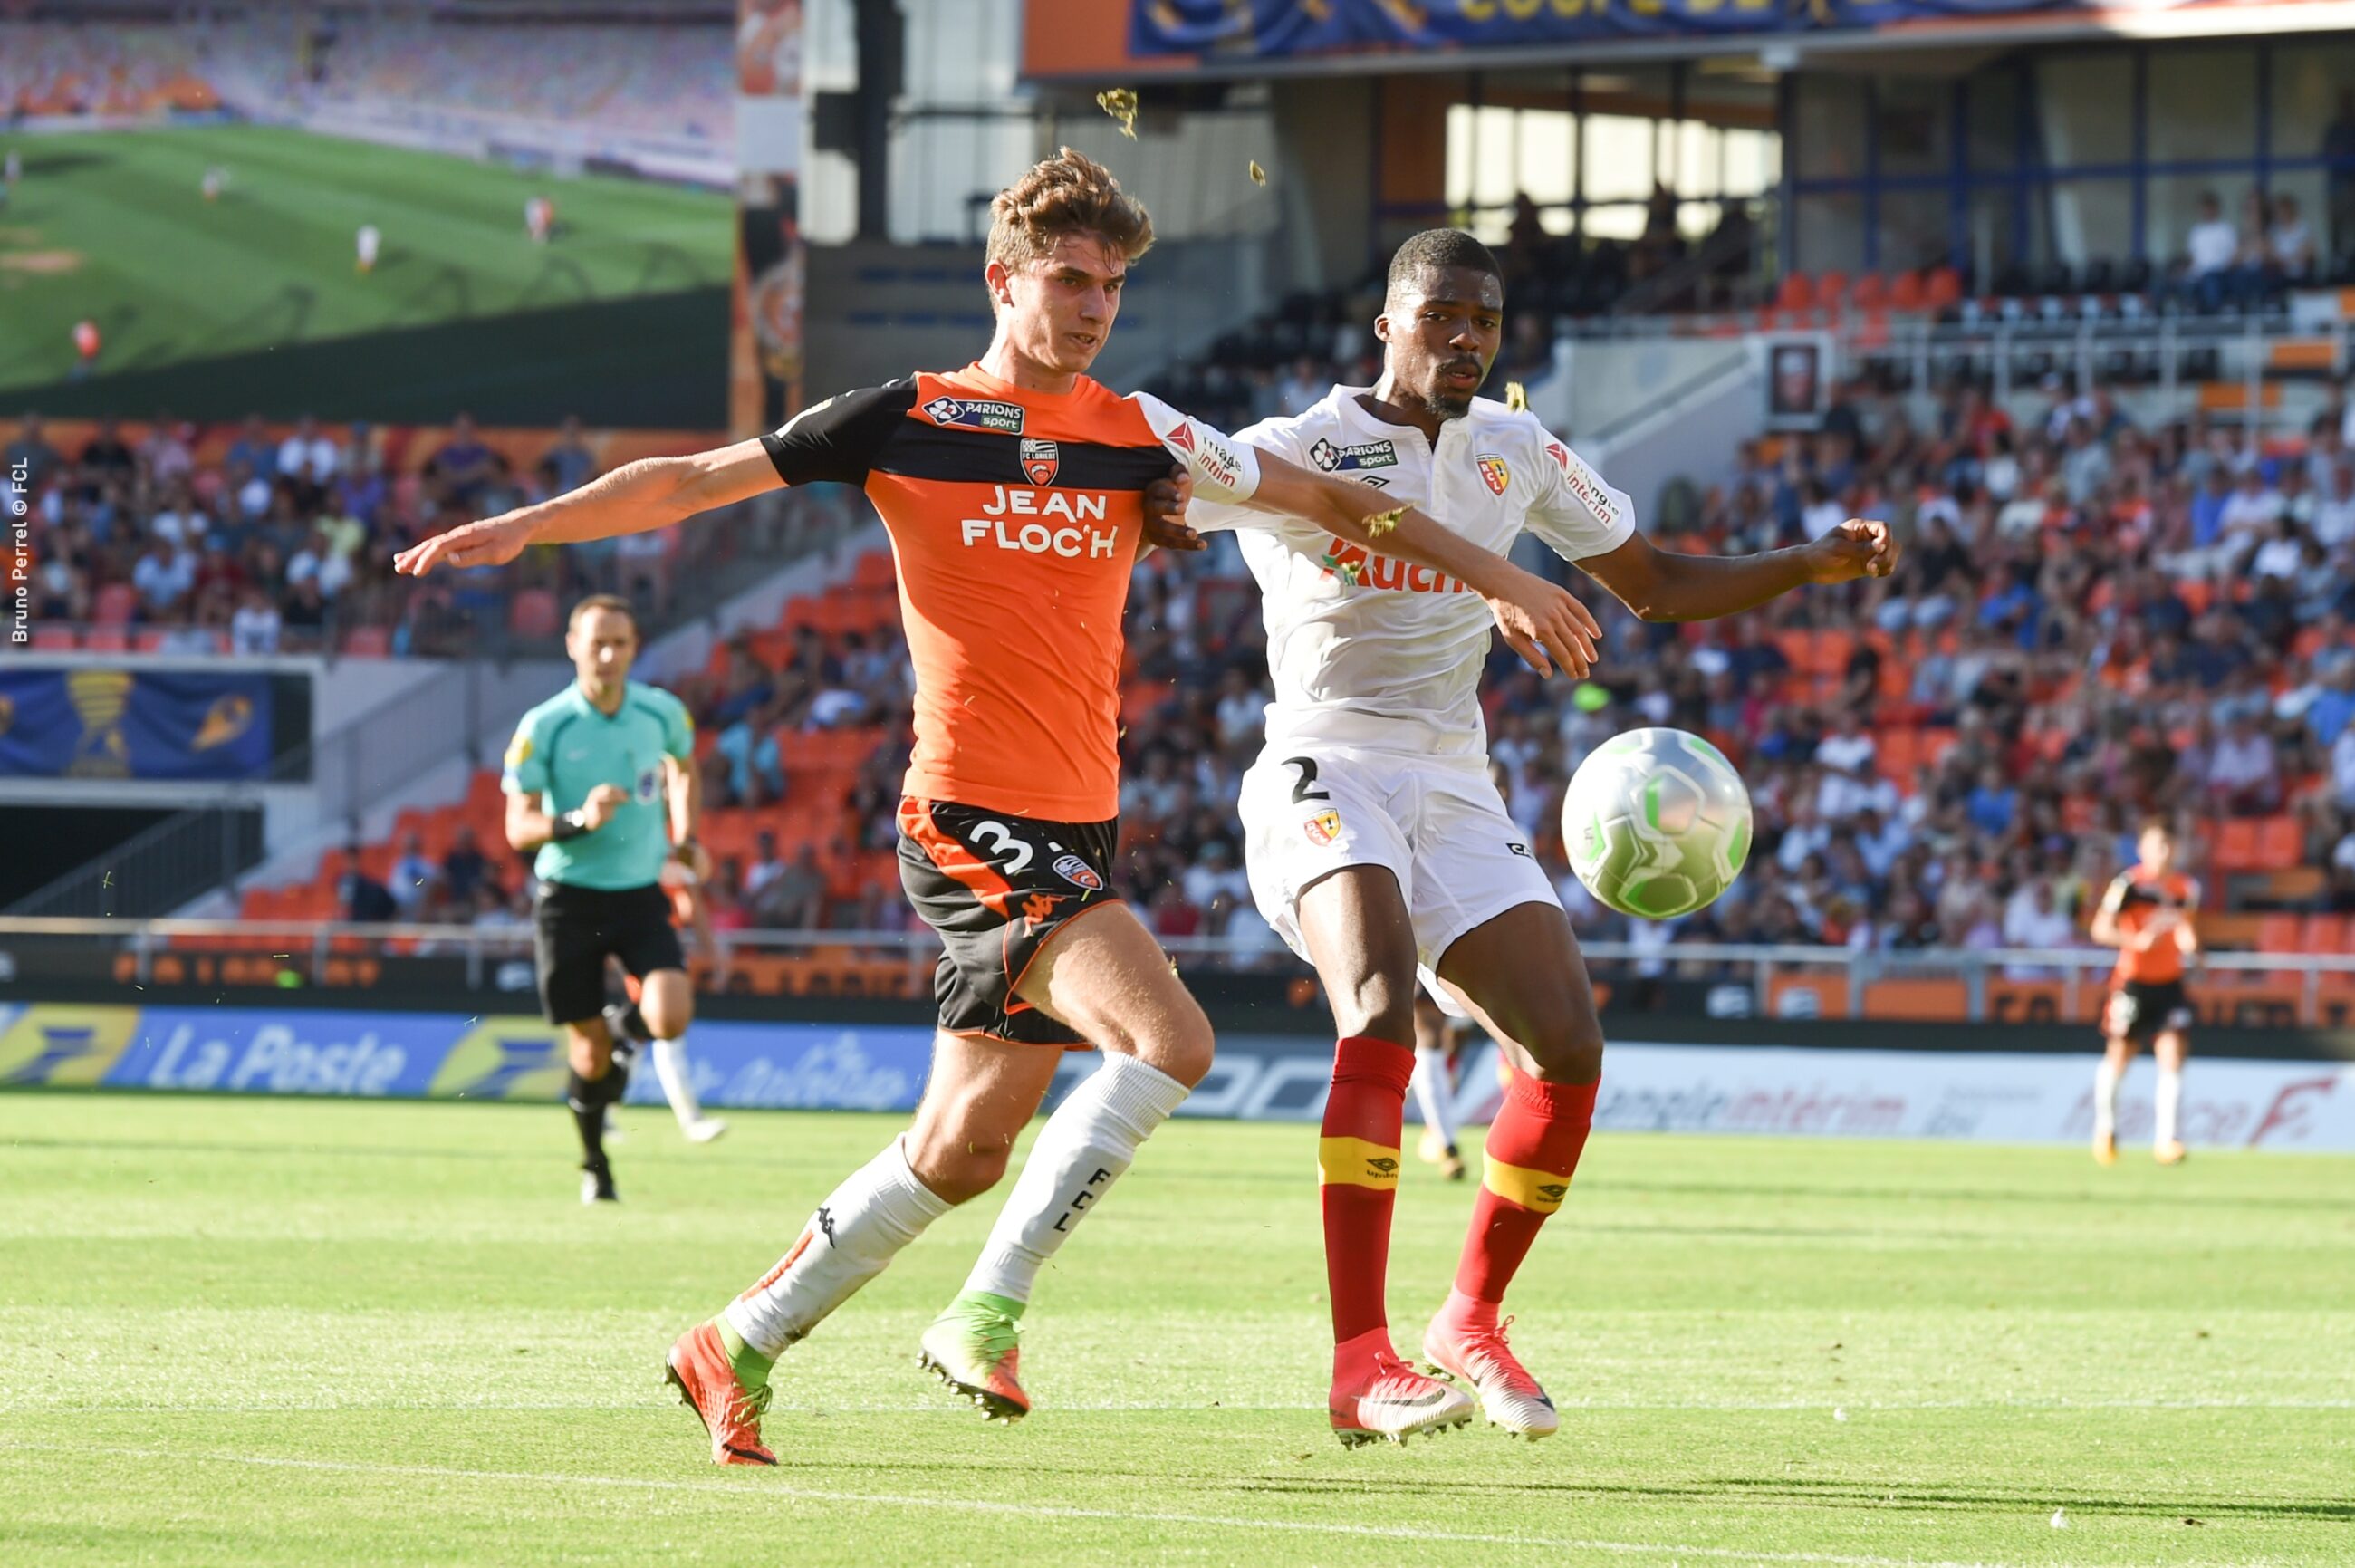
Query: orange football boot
{"x": 698, "y": 1367}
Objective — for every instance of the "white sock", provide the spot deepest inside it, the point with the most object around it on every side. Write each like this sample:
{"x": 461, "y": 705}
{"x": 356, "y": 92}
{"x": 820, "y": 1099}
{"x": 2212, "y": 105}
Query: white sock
{"x": 678, "y": 1083}
{"x": 1431, "y": 1092}
{"x": 2106, "y": 1099}
{"x": 1092, "y": 1137}
{"x": 856, "y": 1232}
{"x": 2170, "y": 1100}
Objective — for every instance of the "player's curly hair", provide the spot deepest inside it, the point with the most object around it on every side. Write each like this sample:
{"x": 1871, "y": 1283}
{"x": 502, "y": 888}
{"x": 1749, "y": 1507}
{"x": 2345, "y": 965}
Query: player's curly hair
{"x": 1070, "y": 193}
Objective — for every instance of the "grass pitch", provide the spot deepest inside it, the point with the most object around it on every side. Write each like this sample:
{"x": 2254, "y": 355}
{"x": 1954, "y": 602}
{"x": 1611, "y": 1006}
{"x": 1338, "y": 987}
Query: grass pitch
{"x": 259, "y": 288}
{"x": 266, "y": 1332}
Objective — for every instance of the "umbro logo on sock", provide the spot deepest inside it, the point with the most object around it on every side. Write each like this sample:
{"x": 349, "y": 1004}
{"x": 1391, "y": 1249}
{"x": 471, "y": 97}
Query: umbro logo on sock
{"x": 1382, "y": 1166}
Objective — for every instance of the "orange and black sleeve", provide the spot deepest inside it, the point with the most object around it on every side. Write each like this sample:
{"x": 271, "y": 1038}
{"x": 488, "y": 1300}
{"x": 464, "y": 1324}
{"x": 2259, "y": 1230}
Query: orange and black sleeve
{"x": 837, "y": 441}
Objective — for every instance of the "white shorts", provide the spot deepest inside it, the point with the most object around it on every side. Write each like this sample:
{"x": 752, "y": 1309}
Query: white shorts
{"x": 1437, "y": 823}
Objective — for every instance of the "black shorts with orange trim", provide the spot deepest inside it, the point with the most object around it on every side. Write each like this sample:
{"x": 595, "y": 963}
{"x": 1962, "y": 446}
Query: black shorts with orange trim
{"x": 2142, "y": 1010}
{"x": 996, "y": 887}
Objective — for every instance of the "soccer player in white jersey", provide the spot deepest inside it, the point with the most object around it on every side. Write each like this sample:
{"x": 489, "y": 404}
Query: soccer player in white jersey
{"x": 1377, "y": 847}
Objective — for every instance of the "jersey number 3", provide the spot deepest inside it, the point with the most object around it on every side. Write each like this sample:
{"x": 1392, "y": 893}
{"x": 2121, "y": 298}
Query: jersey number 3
{"x": 996, "y": 838}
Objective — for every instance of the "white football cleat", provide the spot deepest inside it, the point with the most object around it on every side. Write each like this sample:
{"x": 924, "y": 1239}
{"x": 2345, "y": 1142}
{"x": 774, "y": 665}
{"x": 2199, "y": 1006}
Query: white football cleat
{"x": 1479, "y": 1358}
{"x": 704, "y": 1129}
{"x": 1392, "y": 1404}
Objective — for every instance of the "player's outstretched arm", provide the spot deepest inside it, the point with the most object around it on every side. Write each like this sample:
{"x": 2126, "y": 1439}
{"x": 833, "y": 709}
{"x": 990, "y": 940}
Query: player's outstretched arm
{"x": 652, "y": 493}
{"x": 1544, "y": 624}
{"x": 1664, "y": 585}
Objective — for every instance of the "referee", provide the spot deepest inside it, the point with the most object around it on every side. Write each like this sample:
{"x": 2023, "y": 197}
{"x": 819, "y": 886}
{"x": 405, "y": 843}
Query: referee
{"x": 596, "y": 778}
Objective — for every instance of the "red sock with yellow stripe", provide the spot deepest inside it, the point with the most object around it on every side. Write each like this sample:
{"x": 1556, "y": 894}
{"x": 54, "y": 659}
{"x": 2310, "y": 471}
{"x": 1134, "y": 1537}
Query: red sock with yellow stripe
{"x": 1358, "y": 1172}
{"x": 1532, "y": 1151}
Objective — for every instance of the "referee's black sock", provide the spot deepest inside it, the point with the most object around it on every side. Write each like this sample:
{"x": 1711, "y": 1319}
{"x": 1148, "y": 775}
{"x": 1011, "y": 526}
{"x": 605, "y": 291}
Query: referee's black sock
{"x": 587, "y": 1099}
{"x": 623, "y": 1021}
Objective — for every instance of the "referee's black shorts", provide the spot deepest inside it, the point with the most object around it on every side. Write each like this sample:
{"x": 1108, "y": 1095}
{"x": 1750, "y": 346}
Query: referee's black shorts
{"x": 576, "y": 929}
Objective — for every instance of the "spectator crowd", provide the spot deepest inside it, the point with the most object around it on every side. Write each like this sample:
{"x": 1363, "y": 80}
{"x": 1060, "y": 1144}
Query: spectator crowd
{"x": 265, "y": 539}
{"x": 2095, "y": 622}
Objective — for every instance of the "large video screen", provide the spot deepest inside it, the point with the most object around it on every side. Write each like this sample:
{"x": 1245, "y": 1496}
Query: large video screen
{"x": 383, "y": 217}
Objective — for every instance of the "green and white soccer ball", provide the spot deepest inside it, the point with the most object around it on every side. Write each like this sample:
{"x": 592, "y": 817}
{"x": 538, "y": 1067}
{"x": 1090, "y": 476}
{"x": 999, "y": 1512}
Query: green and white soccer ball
{"x": 1657, "y": 823}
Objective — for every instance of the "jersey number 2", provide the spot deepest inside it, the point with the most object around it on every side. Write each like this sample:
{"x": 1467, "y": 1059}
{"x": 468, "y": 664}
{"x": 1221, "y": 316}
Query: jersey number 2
{"x": 1303, "y": 790}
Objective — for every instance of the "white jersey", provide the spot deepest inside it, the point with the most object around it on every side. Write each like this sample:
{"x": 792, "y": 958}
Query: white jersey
{"x": 1366, "y": 650}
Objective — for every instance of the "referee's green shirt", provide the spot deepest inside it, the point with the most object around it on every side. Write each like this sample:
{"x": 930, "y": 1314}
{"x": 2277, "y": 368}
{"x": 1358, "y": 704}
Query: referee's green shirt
{"x": 565, "y": 747}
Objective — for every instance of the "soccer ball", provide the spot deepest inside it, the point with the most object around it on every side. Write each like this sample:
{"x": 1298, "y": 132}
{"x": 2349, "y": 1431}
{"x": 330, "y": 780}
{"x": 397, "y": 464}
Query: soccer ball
{"x": 1657, "y": 823}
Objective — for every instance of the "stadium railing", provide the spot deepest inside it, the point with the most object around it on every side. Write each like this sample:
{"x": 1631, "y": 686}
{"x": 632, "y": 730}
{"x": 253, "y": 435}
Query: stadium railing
{"x": 2077, "y": 340}
{"x": 1784, "y": 981}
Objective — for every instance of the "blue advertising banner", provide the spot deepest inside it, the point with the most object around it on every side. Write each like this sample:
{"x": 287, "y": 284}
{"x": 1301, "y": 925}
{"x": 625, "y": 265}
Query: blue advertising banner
{"x": 95, "y": 722}
{"x": 1276, "y": 30}
{"x": 1754, "y": 1090}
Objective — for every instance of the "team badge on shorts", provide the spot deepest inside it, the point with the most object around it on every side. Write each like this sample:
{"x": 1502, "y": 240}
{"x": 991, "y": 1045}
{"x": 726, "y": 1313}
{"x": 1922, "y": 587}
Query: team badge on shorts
{"x": 1039, "y": 460}
{"x": 1492, "y": 472}
{"x": 1076, "y": 871}
{"x": 1323, "y": 827}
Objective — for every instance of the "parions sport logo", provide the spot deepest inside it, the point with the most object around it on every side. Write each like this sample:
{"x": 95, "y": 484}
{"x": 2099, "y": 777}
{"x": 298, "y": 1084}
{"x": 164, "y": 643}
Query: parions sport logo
{"x": 1334, "y": 459}
{"x": 968, "y": 413}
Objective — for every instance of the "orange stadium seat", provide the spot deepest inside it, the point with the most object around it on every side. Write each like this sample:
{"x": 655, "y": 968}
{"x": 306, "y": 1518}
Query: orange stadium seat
{"x": 55, "y": 639}
{"x": 2323, "y": 934}
{"x": 2280, "y": 843}
{"x": 2235, "y": 844}
{"x": 534, "y": 613}
{"x": 1795, "y": 293}
{"x": 2280, "y": 934}
{"x": 876, "y": 569}
{"x": 114, "y": 605}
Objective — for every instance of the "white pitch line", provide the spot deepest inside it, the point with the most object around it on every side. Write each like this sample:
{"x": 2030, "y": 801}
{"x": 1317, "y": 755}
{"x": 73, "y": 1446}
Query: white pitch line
{"x": 754, "y": 1489}
{"x": 1117, "y": 1407}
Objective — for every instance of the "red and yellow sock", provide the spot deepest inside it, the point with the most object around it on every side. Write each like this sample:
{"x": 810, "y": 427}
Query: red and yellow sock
{"x": 1358, "y": 1172}
{"x": 1532, "y": 1151}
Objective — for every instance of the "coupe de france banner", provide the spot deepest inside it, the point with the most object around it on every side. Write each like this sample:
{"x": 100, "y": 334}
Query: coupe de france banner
{"x": 96, "y": 722}
{"x": 1276, "y": 30}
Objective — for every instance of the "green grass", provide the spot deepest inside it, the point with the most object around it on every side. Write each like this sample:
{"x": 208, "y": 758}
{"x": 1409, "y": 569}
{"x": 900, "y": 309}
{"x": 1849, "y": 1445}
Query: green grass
{"x": 114, "y": 227}
{"x": 257, "y": 1332}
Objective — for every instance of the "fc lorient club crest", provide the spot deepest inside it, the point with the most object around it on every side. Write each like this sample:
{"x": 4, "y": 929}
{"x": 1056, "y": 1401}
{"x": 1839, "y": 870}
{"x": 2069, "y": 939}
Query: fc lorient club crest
{"x": 1041, "y": 460}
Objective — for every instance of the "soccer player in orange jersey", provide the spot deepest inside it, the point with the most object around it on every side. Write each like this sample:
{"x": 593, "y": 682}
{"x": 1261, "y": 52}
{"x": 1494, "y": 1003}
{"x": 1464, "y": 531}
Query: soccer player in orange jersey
{"x": 2146, "y": 915}
{"x": 1015, "y": 493}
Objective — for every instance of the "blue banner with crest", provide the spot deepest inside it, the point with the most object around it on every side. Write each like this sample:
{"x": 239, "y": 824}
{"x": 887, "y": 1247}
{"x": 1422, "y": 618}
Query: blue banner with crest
{"x": 1280, "y": 30}
{"x": 92, "y": 721}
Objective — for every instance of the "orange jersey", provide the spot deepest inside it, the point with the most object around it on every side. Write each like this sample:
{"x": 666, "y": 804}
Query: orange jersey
{"x": 1015, "y": 516}
{"x": 2136, "y": 899}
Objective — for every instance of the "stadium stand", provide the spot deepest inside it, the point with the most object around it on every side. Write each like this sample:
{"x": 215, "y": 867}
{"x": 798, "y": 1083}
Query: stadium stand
{"x": 2094, "y": 623}
{"x": 164, "y": 537}
{"x": 263, "y": 60}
